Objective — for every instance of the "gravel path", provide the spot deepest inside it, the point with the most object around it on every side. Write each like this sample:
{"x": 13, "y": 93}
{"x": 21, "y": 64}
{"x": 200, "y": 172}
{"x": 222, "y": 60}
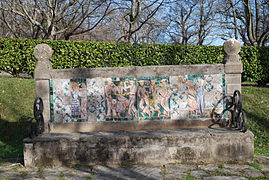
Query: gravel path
{"x": 259, "y": 169}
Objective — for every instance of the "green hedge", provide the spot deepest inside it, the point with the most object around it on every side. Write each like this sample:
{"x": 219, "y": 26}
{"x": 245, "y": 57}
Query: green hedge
{"x": 255, "y": 63}
{"x": 16, "y": 56}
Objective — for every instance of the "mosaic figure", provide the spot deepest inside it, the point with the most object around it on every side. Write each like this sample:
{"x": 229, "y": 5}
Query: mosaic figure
{"x": 83, "y": 100}
{"x": 143, "y": 97}
{"x": 132, "y": 111}
{"x": 200, "y": 96}
{"x": 122, "y": 100}
{"x": 110, "y": 90}
{"x": 78, "y": 100}
{"x": 153, "y": 107}
{"x": 153, "y": 96}
{"x": 164, "y": 96}
{"x": 192, "y": 103}
{"x": 75, "y": 101}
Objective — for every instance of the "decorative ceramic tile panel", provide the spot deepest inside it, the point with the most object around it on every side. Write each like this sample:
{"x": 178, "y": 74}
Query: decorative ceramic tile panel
{"x": 179, "y": 97}
{"x": 96, "y": 99}
{"x": 129, "y": 98}
{"x": 153, "y": 94}
{"x": 60, "y": 100}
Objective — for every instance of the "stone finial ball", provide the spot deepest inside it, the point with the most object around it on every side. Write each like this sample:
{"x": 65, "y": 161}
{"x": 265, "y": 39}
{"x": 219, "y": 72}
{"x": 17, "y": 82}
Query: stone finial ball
{"x": 232, "y": 46}
{"x": 43, "y": 52}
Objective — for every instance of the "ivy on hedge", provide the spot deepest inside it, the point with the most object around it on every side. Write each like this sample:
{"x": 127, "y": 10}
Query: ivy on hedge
{"x": 16, "y": 56}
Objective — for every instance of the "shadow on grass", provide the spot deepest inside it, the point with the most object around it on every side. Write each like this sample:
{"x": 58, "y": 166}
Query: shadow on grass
{"x": 260, "y": 127}
{"x": 255, "y": 85}
{"x": 262, "y": 122}
{"x": 11, "y": 139}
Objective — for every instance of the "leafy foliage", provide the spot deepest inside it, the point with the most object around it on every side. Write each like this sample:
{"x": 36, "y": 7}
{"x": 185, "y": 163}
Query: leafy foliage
{"x": 16, "y": 56}
{"x": 256, "y": 64}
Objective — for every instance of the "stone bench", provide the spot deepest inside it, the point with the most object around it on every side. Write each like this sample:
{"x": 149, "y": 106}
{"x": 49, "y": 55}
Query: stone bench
{"x": 143, "y": 147}
{"x": 152, "y": 98}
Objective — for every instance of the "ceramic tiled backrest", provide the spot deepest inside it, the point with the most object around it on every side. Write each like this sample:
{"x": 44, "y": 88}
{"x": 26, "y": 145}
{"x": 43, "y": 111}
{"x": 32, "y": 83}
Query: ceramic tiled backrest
{"x": 136, "y": 98}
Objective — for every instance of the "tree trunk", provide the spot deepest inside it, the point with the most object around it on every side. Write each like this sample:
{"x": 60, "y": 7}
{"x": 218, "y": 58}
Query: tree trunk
{"x": 235, "y": 27}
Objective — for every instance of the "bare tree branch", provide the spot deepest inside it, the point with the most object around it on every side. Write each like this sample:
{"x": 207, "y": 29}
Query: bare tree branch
{"x": 55, "y": 19}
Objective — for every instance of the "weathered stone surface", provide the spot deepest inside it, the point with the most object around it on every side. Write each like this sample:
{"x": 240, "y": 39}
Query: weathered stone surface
{"x": 262, "y": 159}
{"x": 5, "y": 168}
{"x": 143, "y": 172}
{"x": 58, "y": 169}
{"x": 209, "y": 167}
{"x": 237, "y": 166}
{"x": 233, "y": 82}
{"x": 175, "y": 176}
{"x": 5, "y": 74}
{"x": 69, "y": 176}
{"x": 28, "y": 153}
{"x": 10, "y": 175}
{"x": 225, "y": 178}
{"x": 253, "y": 173}
{"x": 233, "y": 79}
{"x": 128, "y": 125}
{"x": 26, "y": 169}
{"x": 233, "y": 68}
{"x": 198, "y": 173}
{"x": 230, "y": 88}
{"x": 139, "y": 147}
{"x": 230, "y": 172}
{"x": 31, "y": 175}
{"x": 231, "y": 48}
{"x": 42, "y": 91}
{"x": 53, "y": 176}
{"x": 180, "y": 171}
{"x": 138, "y": 71}
{"x": 177, "y": 169}
{"x": 264, "y": 167}
{"x": 43, "y": 53}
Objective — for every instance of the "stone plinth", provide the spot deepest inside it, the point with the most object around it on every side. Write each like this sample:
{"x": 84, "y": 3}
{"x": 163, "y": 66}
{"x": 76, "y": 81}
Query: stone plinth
{"x": 152, "y": 147}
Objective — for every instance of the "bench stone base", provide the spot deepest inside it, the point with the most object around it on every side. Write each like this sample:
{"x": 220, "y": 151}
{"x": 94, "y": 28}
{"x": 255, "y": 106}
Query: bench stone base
{"x": 152, "y": 147}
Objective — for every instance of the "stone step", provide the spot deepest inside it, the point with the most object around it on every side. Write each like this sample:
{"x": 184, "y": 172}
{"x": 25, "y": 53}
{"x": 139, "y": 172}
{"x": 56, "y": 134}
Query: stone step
{"x": 150, "y": 147}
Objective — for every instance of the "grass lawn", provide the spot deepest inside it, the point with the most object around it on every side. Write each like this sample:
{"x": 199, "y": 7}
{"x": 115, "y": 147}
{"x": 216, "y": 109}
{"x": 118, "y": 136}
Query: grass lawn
{"x": 256, "y": 105}
{"x": 17, "y": 97}
{"x": 16, "y": 102}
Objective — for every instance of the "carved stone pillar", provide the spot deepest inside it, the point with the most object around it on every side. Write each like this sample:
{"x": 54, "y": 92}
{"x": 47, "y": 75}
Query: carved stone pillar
{"x": 233, "y": 66}
{"x": 43, "y": 53}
